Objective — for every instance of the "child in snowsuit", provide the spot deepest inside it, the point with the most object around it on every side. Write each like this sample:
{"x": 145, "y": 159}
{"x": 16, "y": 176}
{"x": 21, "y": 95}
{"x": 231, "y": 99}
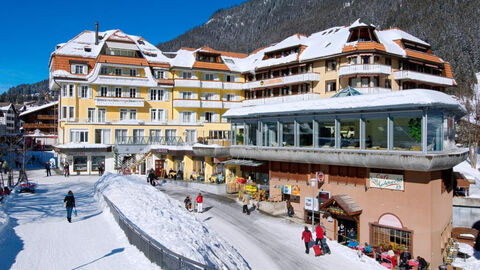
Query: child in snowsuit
{"x": 200, "y": 203}
{"x": 188, "y": 203}
{"x": 246, "y": 202}
{"x": 69, "y": 203}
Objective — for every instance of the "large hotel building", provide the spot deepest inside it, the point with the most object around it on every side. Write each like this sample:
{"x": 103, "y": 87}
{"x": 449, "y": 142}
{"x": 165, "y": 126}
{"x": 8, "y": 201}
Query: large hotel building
{"x": 363, "y": 106}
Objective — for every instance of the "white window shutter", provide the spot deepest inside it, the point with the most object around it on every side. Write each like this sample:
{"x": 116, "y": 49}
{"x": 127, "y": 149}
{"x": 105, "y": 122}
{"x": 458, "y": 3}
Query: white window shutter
{"x": 90, "y": 92}
{"x": 166, "y": 94}
{"x": 72, "y": 69}
{"x": 85, "y": 69}
{"x": 180, "y": 116}
{"x": 194, "y": 117}
{"x": 202, "y": 117}
{"x": 194, "y": 95}
{"x": 215, "y": 117}
{"x": 165, "y": 115}
{"x": 217, "y": 96}
{"x": 125, "y": 92}
{"x": 216, "y": 77}
{"x": 74, "y": 90}
{"x": 137, "y": 92}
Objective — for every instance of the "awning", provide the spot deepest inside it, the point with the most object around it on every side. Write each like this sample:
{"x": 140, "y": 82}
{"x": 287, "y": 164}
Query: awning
{"x": 243, "y": 162}
{"x": 341, "y": 204}
{"x": 122, "y": 45}
{"x": 82, "y": 147}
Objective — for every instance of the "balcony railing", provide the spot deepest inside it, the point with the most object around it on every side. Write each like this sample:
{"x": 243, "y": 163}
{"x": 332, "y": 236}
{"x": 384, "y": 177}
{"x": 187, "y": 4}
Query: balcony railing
{"x": 186, "y": 103}
{"x": 232, "y": 85}
{"x": 212, "y": 104}
{"x": 291, "y": 79}
{"x": 364, "y": 69}
{"x": 35, "y": 125}
{"x": 372, "y": 90}
{"x": 422, "y": 77}
{"x": 212, "y": 84}
{"x": 119, "y": 102}
{"x": 187, "y": 83}
{"x": 231, "y": 104}
{"x": 152, "y": 140}
{"x": 281, "y": 99}
{"x": 47, "y": 117}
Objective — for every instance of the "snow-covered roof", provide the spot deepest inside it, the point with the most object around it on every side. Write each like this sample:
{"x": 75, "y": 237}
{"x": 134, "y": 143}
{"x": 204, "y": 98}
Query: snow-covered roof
{"x": 37, "y": 108}
{"x": 415, "y": 98}
{"x": 396, "y": 34}
{"x": 183, "y": 58}
{"x": 83, "y": 45}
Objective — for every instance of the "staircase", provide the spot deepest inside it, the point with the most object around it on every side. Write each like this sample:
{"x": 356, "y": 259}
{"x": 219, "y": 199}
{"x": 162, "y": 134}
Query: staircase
{"x": 127, "y": 166}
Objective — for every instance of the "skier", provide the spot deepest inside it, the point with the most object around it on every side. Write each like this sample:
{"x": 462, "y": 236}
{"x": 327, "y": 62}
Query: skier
{"x": 69, "y": 203}
{"x": 47, "y": 168}
{"x": 246, "y": 202}
{"x": 188, "y": 203}
{"x": 66, "y": 169}
{"x": 306, "y": 237}
{"x": 200, "y": 203}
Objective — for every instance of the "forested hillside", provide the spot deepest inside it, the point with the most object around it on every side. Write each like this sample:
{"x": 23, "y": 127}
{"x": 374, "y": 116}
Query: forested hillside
{"x": 451, "y": 27}
{"x": 25, "y": 92}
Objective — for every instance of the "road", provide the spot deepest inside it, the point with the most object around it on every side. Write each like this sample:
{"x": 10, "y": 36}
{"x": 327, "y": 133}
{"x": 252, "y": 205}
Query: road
{"x": 266, "y": 242}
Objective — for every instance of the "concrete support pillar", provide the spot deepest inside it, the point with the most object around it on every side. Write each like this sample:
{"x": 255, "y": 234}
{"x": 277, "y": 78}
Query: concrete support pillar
{"x": 188, "y": 167}
{"x": 208, "y": 168}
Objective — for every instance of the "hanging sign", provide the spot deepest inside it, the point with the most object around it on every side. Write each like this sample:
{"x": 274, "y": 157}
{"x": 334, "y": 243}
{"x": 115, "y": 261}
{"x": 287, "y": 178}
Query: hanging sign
{"x": 309, "y": 202}
{"x": 295, "y": 190}
{"x": 386, "y": 181}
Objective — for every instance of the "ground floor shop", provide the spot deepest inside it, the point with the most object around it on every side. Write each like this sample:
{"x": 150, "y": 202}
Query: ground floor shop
{"x": 85, "y": 159}
{"x": 378, "y": 206}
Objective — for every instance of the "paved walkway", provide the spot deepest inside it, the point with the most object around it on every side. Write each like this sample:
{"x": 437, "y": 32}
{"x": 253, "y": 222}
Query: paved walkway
{"x": 265, "y": 242}
{"x": 39, "y": 237}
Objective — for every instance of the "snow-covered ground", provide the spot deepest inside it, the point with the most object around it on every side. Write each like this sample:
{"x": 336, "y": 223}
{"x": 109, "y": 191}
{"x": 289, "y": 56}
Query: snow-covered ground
{"x": 37, "y": 235}
{"x": 167, "y": 221}
{"x": 471, "y": 263}
{"x": 267, "y": 242}
{"x": 470, "y": 173}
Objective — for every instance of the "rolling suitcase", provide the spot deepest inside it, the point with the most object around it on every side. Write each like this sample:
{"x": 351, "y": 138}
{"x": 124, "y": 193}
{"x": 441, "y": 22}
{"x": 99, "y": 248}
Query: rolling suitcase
{"x": 317, "y": 250}
{"x": 326, "y": 248}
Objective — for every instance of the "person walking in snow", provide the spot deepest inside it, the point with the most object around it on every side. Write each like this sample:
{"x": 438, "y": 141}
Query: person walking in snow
{"x": 199, "y": 203}
{"x": 66, "y": 169}
{"x": 246, "y": 202}
{"x": 47, "y": 168}
{"x": 319, "y": 233}
{"x": 69, "y": 203}
{"x": 188, "y": 203}
{"x": 306, "y": 237}
{"x": 4, "y": 167}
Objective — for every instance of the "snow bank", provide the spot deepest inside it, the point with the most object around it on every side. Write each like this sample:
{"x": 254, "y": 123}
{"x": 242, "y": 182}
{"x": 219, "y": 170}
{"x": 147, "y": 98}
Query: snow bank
{"x": 167, "y": 221}
{"x": 471, "y": 263}
{"x": 470, "y": 173}
{"x": 3, "y": 218}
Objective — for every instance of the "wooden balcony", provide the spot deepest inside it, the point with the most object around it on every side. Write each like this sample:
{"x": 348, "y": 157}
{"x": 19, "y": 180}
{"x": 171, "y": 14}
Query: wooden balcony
{"x": 47, "y": 117}
{"x": 36, "y": 125}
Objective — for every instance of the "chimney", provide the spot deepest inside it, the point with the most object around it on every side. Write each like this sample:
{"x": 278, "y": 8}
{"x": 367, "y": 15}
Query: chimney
{"x": 96, "y": 33}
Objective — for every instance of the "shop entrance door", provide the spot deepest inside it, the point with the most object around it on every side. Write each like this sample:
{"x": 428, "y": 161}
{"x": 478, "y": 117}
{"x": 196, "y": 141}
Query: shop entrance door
{"x": 159, "y": 166}
{"x": 346, "y": 230}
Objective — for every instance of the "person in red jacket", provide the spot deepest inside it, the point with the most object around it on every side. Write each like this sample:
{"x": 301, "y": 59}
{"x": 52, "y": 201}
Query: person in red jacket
{"x": 199, "y": 203}
{"x": 319, "y": 233}
{"x": 306, "y": 237}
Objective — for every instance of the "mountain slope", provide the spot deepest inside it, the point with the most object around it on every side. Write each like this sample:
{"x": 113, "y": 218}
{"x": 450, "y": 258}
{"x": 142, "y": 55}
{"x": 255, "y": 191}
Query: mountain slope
{"x": 451, "y": 27}
{"x": 24, "y": 92}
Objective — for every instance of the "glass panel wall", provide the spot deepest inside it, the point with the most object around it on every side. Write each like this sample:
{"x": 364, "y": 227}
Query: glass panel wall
{"x": 350, "y": 133}
{"x": 376, "y": 133}
{"x": 305, "y": 133}
{"x": 288, "y": 136}
{"x": 252, "y": 133}
{"x": 407, "y": 133}
{"x": 238, "y": 133}
{"x": 434, "y": 132}
{"x": 325, "y": 133}
{"x": 269, "y": 133}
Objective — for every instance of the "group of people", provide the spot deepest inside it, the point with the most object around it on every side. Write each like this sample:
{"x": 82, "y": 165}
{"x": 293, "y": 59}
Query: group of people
{"x": 321, "y": 246}
{"x": 199, "y": 203}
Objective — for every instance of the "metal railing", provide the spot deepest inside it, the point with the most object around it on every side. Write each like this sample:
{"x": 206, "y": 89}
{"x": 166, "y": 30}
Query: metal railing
{"x": 155, "y": 140}
{"x": 153, "y": 250}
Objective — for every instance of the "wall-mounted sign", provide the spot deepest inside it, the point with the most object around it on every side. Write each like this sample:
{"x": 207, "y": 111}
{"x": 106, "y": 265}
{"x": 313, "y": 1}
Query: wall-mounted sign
{"x": 309, "y": 202}
{"x": 287, "y": 189}
{"x": 295, "y": 190}
{"x": 386, "y": 181}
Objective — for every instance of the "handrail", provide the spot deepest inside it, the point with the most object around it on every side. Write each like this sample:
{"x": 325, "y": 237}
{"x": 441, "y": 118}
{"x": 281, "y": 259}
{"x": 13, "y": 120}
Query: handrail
{"x": 130, "y": 227}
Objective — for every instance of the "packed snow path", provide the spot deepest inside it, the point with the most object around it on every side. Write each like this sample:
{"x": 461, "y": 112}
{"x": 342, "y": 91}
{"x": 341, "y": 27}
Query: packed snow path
{"x": 38, "y": 235}
{"x": 266, "y": 242}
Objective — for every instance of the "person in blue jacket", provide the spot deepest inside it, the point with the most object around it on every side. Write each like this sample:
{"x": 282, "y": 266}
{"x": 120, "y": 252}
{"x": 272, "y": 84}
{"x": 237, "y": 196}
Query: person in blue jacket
{"x": 69, "y": 203}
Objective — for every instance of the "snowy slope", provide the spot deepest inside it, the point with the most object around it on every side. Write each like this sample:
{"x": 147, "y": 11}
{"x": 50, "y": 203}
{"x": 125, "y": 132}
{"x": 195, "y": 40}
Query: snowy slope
{"x": 167, "y": 221}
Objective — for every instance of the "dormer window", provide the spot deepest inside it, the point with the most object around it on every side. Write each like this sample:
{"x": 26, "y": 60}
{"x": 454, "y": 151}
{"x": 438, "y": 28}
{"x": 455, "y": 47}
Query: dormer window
{"x": 208, "y": 57}
{"x": 133, "y": 72}
{"x": 415, "y": 47}
{"x": 78, "y": 69}
{"x": 160, "y": 74}
{"x": 281, "y": 53}
{"x": 362, "y": 34}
